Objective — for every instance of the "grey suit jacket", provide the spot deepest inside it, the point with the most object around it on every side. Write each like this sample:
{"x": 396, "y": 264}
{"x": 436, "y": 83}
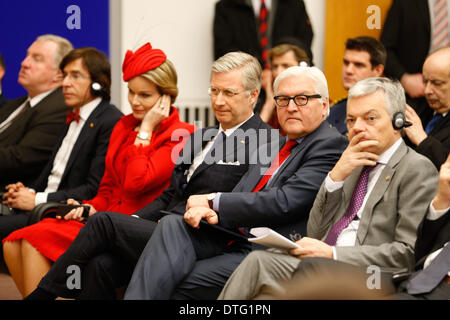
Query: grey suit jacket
{"x": 388, "y": 228}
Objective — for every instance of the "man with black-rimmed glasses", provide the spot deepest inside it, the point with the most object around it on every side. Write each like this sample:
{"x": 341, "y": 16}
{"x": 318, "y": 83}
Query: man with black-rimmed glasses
{"x": 186, "y": 260}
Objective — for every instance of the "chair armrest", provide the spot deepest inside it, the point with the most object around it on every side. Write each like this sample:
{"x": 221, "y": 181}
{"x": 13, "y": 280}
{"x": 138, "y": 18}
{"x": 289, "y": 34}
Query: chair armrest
{"x": 41, "y": 211}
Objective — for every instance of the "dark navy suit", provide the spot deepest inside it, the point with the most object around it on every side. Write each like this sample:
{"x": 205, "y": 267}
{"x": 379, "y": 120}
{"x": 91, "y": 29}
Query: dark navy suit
{"x": 110, "y": 244}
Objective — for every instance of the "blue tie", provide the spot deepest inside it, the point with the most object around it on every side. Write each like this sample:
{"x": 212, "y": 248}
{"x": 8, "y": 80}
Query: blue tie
{"x": 431, "y": 276}
{"x": 433, "y": 122}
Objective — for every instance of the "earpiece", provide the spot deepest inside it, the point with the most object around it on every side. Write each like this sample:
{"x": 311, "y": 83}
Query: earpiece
{"x": 96, "y": 89}
{"x": 399, "y": 121}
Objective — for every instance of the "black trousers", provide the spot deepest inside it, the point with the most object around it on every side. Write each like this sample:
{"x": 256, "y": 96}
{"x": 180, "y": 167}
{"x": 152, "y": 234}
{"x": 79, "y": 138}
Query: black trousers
{"x": 105, "y": 251}
{"x": 180, "y": 262}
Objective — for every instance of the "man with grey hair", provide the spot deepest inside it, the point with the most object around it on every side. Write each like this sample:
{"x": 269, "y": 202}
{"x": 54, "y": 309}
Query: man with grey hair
{"x": 367, "y": 210}
{"x": 187, "y": 259}
{"x": 30, "y": 125}
{"x": 109, "y": 245}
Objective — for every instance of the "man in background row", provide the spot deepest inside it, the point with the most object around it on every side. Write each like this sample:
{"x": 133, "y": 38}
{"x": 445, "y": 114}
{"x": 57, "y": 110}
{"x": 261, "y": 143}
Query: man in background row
{"x": 30, "y": 125}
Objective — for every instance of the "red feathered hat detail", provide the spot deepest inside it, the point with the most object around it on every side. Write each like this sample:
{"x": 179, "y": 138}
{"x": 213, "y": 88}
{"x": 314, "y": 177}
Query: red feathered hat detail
{"x": 144, "y": 59}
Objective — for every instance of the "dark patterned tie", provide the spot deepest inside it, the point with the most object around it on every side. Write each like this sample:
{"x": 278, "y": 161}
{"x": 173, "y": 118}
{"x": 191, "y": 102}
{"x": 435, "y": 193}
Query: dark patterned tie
{"x": 428, "y": 279}
{"x": 355, "y": 204}
{"x": 262, "y": 31}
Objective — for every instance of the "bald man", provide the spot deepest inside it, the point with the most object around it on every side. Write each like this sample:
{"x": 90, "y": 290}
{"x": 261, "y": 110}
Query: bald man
{"x": 431, "y": 135}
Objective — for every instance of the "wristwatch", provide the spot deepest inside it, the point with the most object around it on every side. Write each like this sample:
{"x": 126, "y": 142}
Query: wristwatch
{"x": 143, "y": 135}
{"x": 210, "y": 197}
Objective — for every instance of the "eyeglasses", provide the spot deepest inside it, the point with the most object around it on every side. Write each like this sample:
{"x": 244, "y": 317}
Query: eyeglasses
{"x": 75, "y": 76}
{"x": 213, "y": 91}
{"x": 300, "y": 99}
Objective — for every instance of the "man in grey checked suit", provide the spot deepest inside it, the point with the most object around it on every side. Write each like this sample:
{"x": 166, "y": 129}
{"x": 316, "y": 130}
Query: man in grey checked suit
{"x": 382, "y": 230}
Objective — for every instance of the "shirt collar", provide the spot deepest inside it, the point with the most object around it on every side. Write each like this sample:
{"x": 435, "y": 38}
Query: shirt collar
{"x": 387, "y": 155}
{"x": 230, "y": 131}
{"x": 34, "y": 101}
{"x": 86, "y": 110}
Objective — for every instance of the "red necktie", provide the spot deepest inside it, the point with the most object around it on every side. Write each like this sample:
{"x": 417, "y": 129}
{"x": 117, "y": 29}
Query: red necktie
{"x": 71, "y": 116}
{"x": 262, "y": 31}
{"x": 277, "y": 162}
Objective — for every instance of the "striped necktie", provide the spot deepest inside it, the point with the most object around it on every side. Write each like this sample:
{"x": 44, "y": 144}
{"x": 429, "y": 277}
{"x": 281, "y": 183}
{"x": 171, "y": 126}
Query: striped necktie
{"x": 262, "y": 32}
{"x": 440, "y": 36}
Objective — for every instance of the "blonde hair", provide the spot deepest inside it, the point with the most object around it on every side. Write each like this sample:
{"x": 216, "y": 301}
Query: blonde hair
{"x": 251, "y": 68}
{"x": 165, "y": 78}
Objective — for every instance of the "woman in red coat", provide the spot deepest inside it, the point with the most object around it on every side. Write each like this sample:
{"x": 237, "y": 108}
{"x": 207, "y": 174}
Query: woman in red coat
{"x": 141, "y": 156}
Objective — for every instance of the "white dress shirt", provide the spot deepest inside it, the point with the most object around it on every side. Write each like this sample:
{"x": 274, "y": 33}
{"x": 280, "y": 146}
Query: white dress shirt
{"x": 64, "y": 151}
{"x": 33, "y": 102}
{"x": 257, "y": 6}
{"x": 348, "y": 236}
{"x": 198, "y": 159}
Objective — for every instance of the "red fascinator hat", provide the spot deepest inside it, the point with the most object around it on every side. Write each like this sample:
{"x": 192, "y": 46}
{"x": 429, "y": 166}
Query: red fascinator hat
{"x": 142, "y": 60}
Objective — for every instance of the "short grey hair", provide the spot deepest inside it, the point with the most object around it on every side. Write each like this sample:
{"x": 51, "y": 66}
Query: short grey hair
{"x": 393, "y": 92}
{"x": 64, "y": 46}
{"x": 314, "y": 73}
{"x": 251, "y": 68}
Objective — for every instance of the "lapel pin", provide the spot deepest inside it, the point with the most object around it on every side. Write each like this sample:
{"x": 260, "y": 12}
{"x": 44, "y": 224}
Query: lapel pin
{"x": 388, "y": 178}
{"x": 92, "y": 124}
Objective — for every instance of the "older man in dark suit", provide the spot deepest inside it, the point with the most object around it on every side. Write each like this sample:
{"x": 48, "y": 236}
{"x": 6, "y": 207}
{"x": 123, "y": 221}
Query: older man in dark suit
{"x": 183, "y": 261}
{"x": 78, "y": 160}
{"x": 430, "y": 135}
{"x": 29, "y": 126}
{"x": 213, "y": 159}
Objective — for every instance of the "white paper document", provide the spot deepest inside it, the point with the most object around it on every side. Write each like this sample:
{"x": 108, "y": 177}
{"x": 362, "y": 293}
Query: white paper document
{"x": 270, "y": 238}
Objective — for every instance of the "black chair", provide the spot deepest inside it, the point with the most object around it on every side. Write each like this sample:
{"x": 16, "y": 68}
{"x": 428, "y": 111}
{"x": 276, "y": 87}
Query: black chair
{"x": 43, "y": 210}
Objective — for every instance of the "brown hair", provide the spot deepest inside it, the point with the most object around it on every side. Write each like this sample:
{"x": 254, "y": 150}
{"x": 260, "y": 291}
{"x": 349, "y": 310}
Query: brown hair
{"x": 97, "y": 63}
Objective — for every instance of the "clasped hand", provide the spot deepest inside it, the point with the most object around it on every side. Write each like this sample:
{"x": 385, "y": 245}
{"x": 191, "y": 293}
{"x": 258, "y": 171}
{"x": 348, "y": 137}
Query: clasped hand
{"x": 77, "y": 213}
{"x": 19, "y": 197}
{"x": 197, "y": 208}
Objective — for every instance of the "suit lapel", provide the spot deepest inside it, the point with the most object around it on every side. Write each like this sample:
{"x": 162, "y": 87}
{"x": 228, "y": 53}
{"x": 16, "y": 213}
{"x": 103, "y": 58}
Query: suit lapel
{"x": 441, "y": 124}
{"x": 9, "y": 108}
{"x": 83, "y": 136}
{"x": 207, "y": 135}
{"x": 382, "y": 184}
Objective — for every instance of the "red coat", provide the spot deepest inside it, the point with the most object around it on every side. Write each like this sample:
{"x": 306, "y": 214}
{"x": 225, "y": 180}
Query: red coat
{"x": 134, "y": 177}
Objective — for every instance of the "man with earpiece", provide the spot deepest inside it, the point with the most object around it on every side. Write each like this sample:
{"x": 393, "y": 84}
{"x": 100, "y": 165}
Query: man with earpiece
{"x": 369, "y": 207}
{"x": 430, "y": 131}
{"x": 77, "y": 163}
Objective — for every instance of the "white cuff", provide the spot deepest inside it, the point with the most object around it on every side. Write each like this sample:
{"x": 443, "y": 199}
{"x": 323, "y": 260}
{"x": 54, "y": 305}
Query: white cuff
{"x": 41, "y": 197}
{"x": 434, "y": 214}
{"x": 331, "y": 186}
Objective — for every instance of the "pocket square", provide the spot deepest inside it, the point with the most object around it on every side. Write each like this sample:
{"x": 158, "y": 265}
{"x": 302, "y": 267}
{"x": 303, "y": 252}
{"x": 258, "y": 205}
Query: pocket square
{"x": 236, "y": 163}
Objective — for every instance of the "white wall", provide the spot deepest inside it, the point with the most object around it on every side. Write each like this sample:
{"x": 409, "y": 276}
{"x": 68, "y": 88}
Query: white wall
{"x": 183, "y": 29}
